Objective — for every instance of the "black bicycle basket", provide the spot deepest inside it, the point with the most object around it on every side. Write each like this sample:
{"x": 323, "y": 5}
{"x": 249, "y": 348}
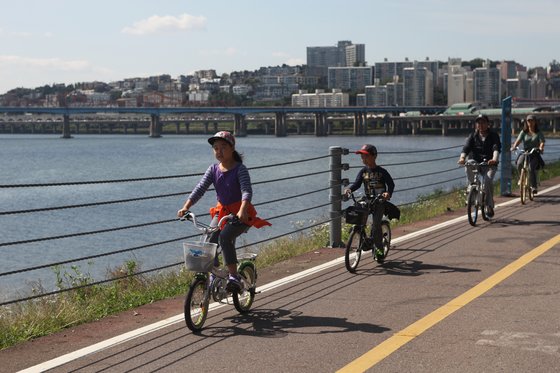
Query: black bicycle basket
{"x": 356, "y": 215}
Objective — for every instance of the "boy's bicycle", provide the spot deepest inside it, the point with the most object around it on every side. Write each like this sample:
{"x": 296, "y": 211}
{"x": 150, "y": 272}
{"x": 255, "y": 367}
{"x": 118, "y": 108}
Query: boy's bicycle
{"x": 525, "y": 189}
{"x": 358, "y": 241}
{"x": 210, "y": 281}
{"x": 476, "y": 198}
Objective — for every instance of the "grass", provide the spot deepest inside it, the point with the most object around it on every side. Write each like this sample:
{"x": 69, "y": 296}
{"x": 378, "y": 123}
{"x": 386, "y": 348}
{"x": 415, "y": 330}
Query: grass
{"x": 27, "y": 320}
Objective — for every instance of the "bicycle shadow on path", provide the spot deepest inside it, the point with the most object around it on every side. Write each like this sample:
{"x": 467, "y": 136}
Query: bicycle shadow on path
{"x": 279, "y": 323}
{"x": 418, "y": 268}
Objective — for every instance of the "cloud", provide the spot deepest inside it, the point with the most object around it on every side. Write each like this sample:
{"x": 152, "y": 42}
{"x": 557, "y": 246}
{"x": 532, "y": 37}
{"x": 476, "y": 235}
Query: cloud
{"x": 46, "y": 63}
{"x": 156, "y": 24}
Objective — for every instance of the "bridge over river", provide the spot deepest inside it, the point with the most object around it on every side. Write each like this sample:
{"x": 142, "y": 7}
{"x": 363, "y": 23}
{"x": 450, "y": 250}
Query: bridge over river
{"x": 278, "y": 121}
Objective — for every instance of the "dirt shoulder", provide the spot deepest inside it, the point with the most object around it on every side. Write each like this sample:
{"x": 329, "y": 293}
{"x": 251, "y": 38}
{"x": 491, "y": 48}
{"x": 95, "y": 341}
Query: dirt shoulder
{"x": 74, "y": 338}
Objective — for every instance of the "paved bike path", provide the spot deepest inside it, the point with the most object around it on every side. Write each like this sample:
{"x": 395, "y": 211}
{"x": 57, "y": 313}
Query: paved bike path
{"x": 330, "y": 318}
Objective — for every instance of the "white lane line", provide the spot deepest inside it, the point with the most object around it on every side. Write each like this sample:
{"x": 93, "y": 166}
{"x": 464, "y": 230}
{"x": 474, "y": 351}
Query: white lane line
{"x": 267, "y": 287}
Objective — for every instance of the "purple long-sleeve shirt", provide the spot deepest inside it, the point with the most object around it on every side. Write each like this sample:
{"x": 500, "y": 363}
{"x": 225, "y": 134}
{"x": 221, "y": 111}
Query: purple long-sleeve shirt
{"x": 231, "y": 186}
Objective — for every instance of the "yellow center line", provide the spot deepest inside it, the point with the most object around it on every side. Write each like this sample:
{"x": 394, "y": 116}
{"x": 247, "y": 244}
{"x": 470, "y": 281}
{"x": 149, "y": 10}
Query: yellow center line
{"x": 387, "y": 347}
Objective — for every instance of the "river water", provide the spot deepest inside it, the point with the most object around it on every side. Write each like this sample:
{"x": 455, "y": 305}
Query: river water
{"x": 32, "y": 159}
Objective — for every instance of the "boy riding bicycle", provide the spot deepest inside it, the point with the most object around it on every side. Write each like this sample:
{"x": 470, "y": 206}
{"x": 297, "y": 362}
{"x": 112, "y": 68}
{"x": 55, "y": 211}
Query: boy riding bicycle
{"x": 377, "y": 181}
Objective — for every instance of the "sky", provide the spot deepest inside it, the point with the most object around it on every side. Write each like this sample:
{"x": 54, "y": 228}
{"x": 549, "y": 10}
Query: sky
{"x": 70, "y": 41}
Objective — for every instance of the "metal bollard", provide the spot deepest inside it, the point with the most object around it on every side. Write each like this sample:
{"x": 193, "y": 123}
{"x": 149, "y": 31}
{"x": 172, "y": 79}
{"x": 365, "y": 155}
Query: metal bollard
{"x": 336, "y": 167}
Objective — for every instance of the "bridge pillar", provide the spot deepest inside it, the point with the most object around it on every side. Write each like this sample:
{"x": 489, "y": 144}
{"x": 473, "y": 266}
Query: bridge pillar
{"x": 280, "y": 124}
{"x": 358, "y": 127}
{"x": 320, "y": 120}
{"x": 215, "y": 127}
{"x": 66, "y": 127}
{"x": 177, "y": 128}
{"x": 242, "y": 130}
{"x": 187, "y": 127}
{"x": 155, "y": 126}
{"x": 415, "y": 128}
{"x": 206, "y": 128}
{"x": 444, "y": 128}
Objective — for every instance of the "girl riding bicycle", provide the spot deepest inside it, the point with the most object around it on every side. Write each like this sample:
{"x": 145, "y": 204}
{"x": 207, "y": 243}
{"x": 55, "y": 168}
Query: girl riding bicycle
{"x": 376, "y": 180}
{"x": 531, "y": 137}
{"x": 232, "y": 183}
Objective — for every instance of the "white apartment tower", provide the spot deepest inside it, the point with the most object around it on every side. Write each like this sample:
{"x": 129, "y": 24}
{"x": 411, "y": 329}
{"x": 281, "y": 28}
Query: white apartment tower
{"x": 456, "y": 81}
{"x": 418, "y": 86}
{"x": 487, "y": 86}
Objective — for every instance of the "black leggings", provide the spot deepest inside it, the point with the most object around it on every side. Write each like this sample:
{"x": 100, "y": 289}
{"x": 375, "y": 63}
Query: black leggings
{"x": 226, "y": 238}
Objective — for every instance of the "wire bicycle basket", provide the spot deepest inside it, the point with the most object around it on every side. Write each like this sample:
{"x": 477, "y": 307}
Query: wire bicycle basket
{"x": 199, "y": 256}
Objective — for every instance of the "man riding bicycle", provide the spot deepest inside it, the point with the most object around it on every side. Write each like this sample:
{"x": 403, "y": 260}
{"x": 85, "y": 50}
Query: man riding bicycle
{"x": 377, "y": 181}
{"x": 483, "y": 145}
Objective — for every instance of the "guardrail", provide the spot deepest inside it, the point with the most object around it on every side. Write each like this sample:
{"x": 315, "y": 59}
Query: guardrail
{"x": 336, "y": 182}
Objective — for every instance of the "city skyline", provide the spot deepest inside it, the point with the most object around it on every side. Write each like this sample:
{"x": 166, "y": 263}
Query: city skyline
{"x": 61, "y": 41}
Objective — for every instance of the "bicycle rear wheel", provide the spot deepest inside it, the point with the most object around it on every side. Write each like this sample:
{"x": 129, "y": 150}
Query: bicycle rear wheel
{"x": 243, "y": 300}
{"x": 196, "y": 304}
{"x": 523, "y": 186}
{"x": 472, "y": 208}
{"x": 354, "y": 248}
{"x": 386, "y": 241}
{"x": 483, "y": 206}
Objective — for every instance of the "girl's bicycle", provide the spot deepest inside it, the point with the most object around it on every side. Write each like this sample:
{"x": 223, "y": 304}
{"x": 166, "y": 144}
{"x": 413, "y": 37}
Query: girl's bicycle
{"x": 525, "y": 189}
{"x": 210, "y": 281}
{"x": 476, "y": 198}
{"x": 358, "y": 241}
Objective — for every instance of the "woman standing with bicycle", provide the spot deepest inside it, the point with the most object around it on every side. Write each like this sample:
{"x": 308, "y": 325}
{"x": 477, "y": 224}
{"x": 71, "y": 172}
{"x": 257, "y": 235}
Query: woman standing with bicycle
{"x": 233, "y": 188}
{"x": 531, "y": 137}
{"x": 483, "y": 145}
{"x": 376, "y": 180}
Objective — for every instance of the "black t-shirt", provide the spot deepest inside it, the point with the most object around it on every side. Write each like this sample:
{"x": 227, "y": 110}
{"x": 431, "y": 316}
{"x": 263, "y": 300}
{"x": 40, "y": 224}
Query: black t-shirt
{"x": 376, "y": 181}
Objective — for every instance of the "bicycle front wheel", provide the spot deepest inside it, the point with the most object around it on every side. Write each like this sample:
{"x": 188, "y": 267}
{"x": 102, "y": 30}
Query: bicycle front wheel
{"x": 354, "y": 247}
{"x": 196, "y": 304}
{"x": 523, "y": 186}
{"x": 472, "y": 208}
{"x": 243, "y": 300}
{"x": 386, "y": 232}
{"x": 530, "y": 190}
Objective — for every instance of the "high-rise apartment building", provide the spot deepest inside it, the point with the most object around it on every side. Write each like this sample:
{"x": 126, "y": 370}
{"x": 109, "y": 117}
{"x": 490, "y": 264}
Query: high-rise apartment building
{"x": 508, "y": 70}
{"x": 376, "y": 95}
{"x": 518, "y": 88}
{"x": 349, "y": 78}
{"x": 395, "y": 93}
{"x": 387, "y": 70}
{"x": 355, "y": 55}
{"x": 319, "y": 59}
{"x": 418, "y": 86}
{"x": 487, "y": 86}
{"x": 456, "y": 80}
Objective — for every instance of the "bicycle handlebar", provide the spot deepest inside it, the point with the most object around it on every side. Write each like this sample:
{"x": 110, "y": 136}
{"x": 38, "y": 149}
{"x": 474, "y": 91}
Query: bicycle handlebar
{"x": 378, "y": 197}
{"x": 473, "y": 163}
{"x": 191, "y": 216}
{"x": 532, "y": 151}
